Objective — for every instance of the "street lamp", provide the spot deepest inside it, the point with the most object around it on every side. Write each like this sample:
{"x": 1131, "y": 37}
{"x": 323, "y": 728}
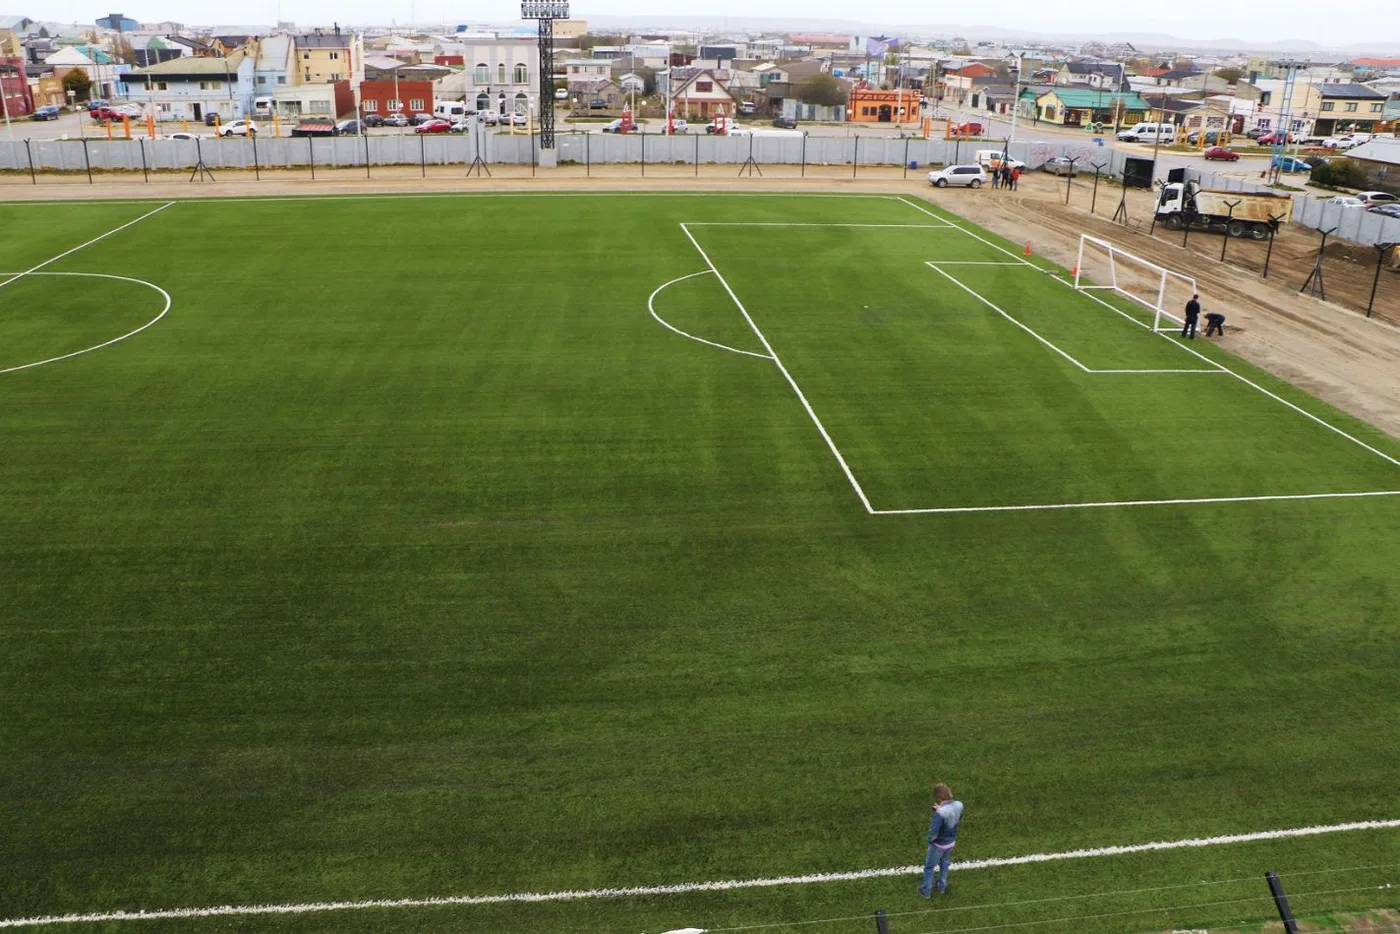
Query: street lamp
{"x": 1016, "y": 94}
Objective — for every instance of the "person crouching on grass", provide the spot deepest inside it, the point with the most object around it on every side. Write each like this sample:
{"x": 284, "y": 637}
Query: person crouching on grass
{"x": 942, "y": 835}
{"x": 1215, "y": 324}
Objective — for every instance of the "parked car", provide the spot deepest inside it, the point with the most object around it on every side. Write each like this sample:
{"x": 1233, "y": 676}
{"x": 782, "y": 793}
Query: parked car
{"x": 597, "y": 103}
{"x": 48, "y": 112}
{"x": 679, "y": 126}
{"x": 1255, "y": 133}
{"x": 1213, "y": 137}
{"x": 969, "y": 176}
{"x": 490, "y": 118}
{"x": 373, "y": 120}
{"x": 561, "y": 94}
{"x": 433, "y": 125}
{"x": 1290, "y": 164}
{"x": 748, "y": 108}
{"x": 396, "y": 120}
{"x": 1269, "y": 139}
{"x": 419, "y": 119}
{"x": 1346, "y": 201}
{"x": 238, "y": 128}
{"x": 786, "y": 123}
{"x": 211, "y": 118}
{"x": 1345, "y": 142}
{"x": 349, "y": 128}
{"x": 462, "y": 125}
{"x": 1386, "y": 210}
{"x": 1222, "y": 153}
{"x": 1060, "y": 165}
{"x": 968, "y": 129}
{"x": 184, "y": 136}
{"x": 520, "y": 120}
{"x": 616, "y": 127}
{"x": 1373, "y": 198}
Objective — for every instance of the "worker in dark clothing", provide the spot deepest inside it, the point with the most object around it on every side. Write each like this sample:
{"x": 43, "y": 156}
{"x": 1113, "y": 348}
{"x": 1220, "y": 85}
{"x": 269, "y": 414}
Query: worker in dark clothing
{"x": 1193, "y": 314}
{"x": 1215, "y": 323}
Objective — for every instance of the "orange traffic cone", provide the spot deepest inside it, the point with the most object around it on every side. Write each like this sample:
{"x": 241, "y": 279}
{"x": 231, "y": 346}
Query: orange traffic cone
{"x": 1075, "y": 272}
{"x": 1028, "y": 248}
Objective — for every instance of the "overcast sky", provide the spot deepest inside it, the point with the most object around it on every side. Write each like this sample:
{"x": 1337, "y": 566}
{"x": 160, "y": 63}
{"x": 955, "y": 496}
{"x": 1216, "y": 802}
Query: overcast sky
{"x": 1344, "y": 22}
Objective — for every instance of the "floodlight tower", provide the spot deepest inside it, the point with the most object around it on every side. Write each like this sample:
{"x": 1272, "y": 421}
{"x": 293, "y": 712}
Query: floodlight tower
{"x": 545, "y": 12}
{"x": 1285, "y": 116}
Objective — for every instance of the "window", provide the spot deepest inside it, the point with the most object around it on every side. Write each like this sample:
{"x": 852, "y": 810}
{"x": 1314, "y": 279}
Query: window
{"x": 1328, "y": 105}
{"x": 163, "y": 108}
{"x": 370, "y": 106}
{"x": 704, "y": 87}
{"x": 1050, "y": 113}
{"x": 415, "y": 104}
{"x": 501, "y": 73}
{"x": 522, "y": 74}
{"x": 308, "y": 76}
{"x": 320, "y": 107}
{"x": 482, "y": 74}
{"x": 1376, "y": 108}
{"x": 335, "y": 76}
{"x": 262, "y": 79}
{"x": 483, "y": 102}
{"x": 204, "y": 85}
{"x": 335, "y": 55}
{"x": 281, "y": 79}
{"x": 162, "y": 86}
{"x": 306, "y": 56}
{"x": 394, "y": 104}
{"x": 216, "y": 85}
{"x": 1351, "y": 107}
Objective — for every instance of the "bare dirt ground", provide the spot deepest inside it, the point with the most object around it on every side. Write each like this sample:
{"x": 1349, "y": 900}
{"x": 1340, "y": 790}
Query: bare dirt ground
{"x": 1328, "y": 348}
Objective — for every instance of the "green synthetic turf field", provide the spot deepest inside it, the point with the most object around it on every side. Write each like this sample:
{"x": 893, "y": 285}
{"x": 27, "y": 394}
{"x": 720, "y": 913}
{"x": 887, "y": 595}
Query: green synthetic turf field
{"x": 409, "y": 555}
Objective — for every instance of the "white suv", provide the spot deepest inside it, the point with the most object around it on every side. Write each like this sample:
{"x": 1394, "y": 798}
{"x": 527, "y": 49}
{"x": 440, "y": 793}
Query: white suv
{"x": 969, "y": 176}
{"x": 238, "y": 128}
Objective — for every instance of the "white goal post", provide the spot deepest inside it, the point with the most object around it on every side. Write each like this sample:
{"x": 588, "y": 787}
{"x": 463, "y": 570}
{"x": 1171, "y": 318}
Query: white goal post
{"x": 1164, "y": 292}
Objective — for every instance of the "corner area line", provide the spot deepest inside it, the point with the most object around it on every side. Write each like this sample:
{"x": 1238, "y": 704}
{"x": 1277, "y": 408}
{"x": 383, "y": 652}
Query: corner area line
{"x": 666, "y": 324}
{"x": 80, "y": 246}
{"x": 681, "y": 888}
{"x": 1034, "y": 507}
{"x": 845, "y": 468}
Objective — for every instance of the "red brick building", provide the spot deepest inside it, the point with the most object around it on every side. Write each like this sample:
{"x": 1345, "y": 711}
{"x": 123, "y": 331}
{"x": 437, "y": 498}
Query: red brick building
{"x": 377, "y": 97}
{"x": 15, "y": 86}
{"x": 451, "y": 61}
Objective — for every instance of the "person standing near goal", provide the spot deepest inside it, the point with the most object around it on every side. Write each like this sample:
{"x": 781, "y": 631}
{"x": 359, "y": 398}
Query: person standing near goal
{"x": 1193, "y": 314}
{"x": 942, "y": 836}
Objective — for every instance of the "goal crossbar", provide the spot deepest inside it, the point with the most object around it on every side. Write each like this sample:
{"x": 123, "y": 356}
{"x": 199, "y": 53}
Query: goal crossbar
{"x": 1156, "y": 276}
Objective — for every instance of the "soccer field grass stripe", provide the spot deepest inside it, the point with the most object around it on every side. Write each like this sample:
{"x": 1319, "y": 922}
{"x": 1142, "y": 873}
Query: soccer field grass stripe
{"x": 1032, "y": 507}
{"x": 664, "y": 323}
{"x": 845, "y": 468}
{"x": 78, "y": 353}
{"x": 21, "y": 275}
{"x": 682, "y": 888}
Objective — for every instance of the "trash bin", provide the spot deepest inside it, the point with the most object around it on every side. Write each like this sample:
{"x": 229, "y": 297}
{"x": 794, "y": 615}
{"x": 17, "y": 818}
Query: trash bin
{"x": 913, "y": 163}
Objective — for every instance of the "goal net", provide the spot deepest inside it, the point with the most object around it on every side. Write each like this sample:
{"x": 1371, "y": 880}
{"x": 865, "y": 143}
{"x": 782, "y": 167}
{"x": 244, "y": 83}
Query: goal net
{"x": 1152, "y": 294}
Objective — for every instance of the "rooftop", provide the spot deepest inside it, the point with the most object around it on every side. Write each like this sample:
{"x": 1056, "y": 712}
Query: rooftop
{"x": 1352, "y": 91}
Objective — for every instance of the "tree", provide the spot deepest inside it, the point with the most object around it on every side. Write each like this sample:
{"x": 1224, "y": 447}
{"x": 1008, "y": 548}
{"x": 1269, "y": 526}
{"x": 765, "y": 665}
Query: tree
{"x": 79, "y": 83}
{"x": 823, "y": 90}
{"x": 1231, "y": 75}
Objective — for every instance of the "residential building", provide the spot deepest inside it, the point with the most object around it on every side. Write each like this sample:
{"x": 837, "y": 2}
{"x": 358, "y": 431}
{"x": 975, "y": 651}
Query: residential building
{"x": 570, "y": 28}
{"x": 14, "y": 87}
{"x": 11, "y": 46}
{"x": 191, "y": 88}
{"x": 700, "y": 93}
{"x": 384, "y": 95}
{"x": 98, "y": 65}
{"x": 587, "y": 69}
{"x": 274, "y": 65}
{"x": 583, "y": 94}
{"x": 1347, "y": 108}
{"x": 871, "y": 105}
{"x": 328, "y": 57}
{"x": 501, "y": 74}
{"x": 1064, "y": 106}
{"x": 1366, "y": 69}
{"x": 1380, "y": 160}
{"x": 1094, "y": 75}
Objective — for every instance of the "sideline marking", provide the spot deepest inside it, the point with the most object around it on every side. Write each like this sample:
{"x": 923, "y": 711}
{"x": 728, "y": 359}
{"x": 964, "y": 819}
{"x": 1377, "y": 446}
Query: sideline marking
{"x": 787, "y": 224}
{"x": 1134, "y": 502}
{"x": 95, "y": 275}
{"x": 75, "y": 249}
{"x": 845, "y": 468}
{"x": 1168, "y": 337}
{"x": 681, "y": 888}
{"x": 665, "y": 323}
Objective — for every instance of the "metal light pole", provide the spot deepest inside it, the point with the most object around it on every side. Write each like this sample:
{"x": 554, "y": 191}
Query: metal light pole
{"x": 5, "y": 103}
{"x": 1016, "y": 95}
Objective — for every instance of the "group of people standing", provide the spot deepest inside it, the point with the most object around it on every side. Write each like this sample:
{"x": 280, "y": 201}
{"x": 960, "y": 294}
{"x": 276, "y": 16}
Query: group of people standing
{"x": 1006, "y": 176}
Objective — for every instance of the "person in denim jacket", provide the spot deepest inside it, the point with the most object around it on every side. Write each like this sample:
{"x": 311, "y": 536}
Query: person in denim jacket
{"x": 942, "y": 836}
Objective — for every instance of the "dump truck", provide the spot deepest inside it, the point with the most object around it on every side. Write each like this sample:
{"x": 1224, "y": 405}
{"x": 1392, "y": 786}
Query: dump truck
{"x": 1234, "y": 213}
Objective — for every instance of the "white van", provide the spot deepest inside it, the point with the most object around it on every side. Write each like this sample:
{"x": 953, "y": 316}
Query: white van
{"x": 995, "y": 158}
{"x": 449, "y": 110}
{"x": 1149, "y": 133}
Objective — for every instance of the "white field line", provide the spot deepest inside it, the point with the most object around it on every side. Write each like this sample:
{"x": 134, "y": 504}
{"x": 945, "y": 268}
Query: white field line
{"x": 76, "y": 353}
{"x": 1248, "y": 382}
{"x": 681, "y": 888}
{"x": 667, "y": 324}
{"x": 845, "y": 468}
{"x": 1031, "y": 507}
{"x": 786, "y": 224}
{"x": 947, "y": 262}
{"x": 80, "y": 246}
{"x": 447, "y": 193}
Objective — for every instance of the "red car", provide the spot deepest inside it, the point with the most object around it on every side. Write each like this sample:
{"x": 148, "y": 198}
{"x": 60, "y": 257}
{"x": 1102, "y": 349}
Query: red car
{"x": 968, "y": 129}
{"x": 1269, "y": 139}
{"x": 1221, "y": 152}
{"x": 433, "y": 126}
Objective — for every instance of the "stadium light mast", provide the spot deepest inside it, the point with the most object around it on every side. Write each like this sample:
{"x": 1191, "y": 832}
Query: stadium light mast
{"x": 545, "y": 12}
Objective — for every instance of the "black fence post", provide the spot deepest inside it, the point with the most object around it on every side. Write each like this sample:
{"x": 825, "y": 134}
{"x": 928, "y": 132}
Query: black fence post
{"x": 534, "y": 160}
{"x": 1229, "y": 219}
{"x": 804, "y": 154}
{"x": 1290, "y": 924}
{"x": 423, "y": 154}
{"x": 145, "y": 176}
{"x": 1093, "y": 201}
{"x": 882, "y": 922}
{"x": 364, "y": 132}
{"x": 855, "y": 156}
{"x": 1069, "y": 179}
{"x": 587, "y": 153}
{"x": 906, "y": 157}
{"x": 311, "y": 154}
{"x": 1381, "y": 250}
{"x": 34, "y": 179}
{"x": 644, "y": 154}
{"x": 1269, "y": 253}
{"x": 257, "y": 167}
{"x": 87, "y": 161}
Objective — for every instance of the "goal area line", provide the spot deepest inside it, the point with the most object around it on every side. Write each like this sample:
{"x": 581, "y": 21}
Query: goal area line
{"x": 683, "y": 888}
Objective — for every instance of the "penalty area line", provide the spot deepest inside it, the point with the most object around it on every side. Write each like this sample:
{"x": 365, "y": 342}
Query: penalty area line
{"x": 682, "y": 888}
